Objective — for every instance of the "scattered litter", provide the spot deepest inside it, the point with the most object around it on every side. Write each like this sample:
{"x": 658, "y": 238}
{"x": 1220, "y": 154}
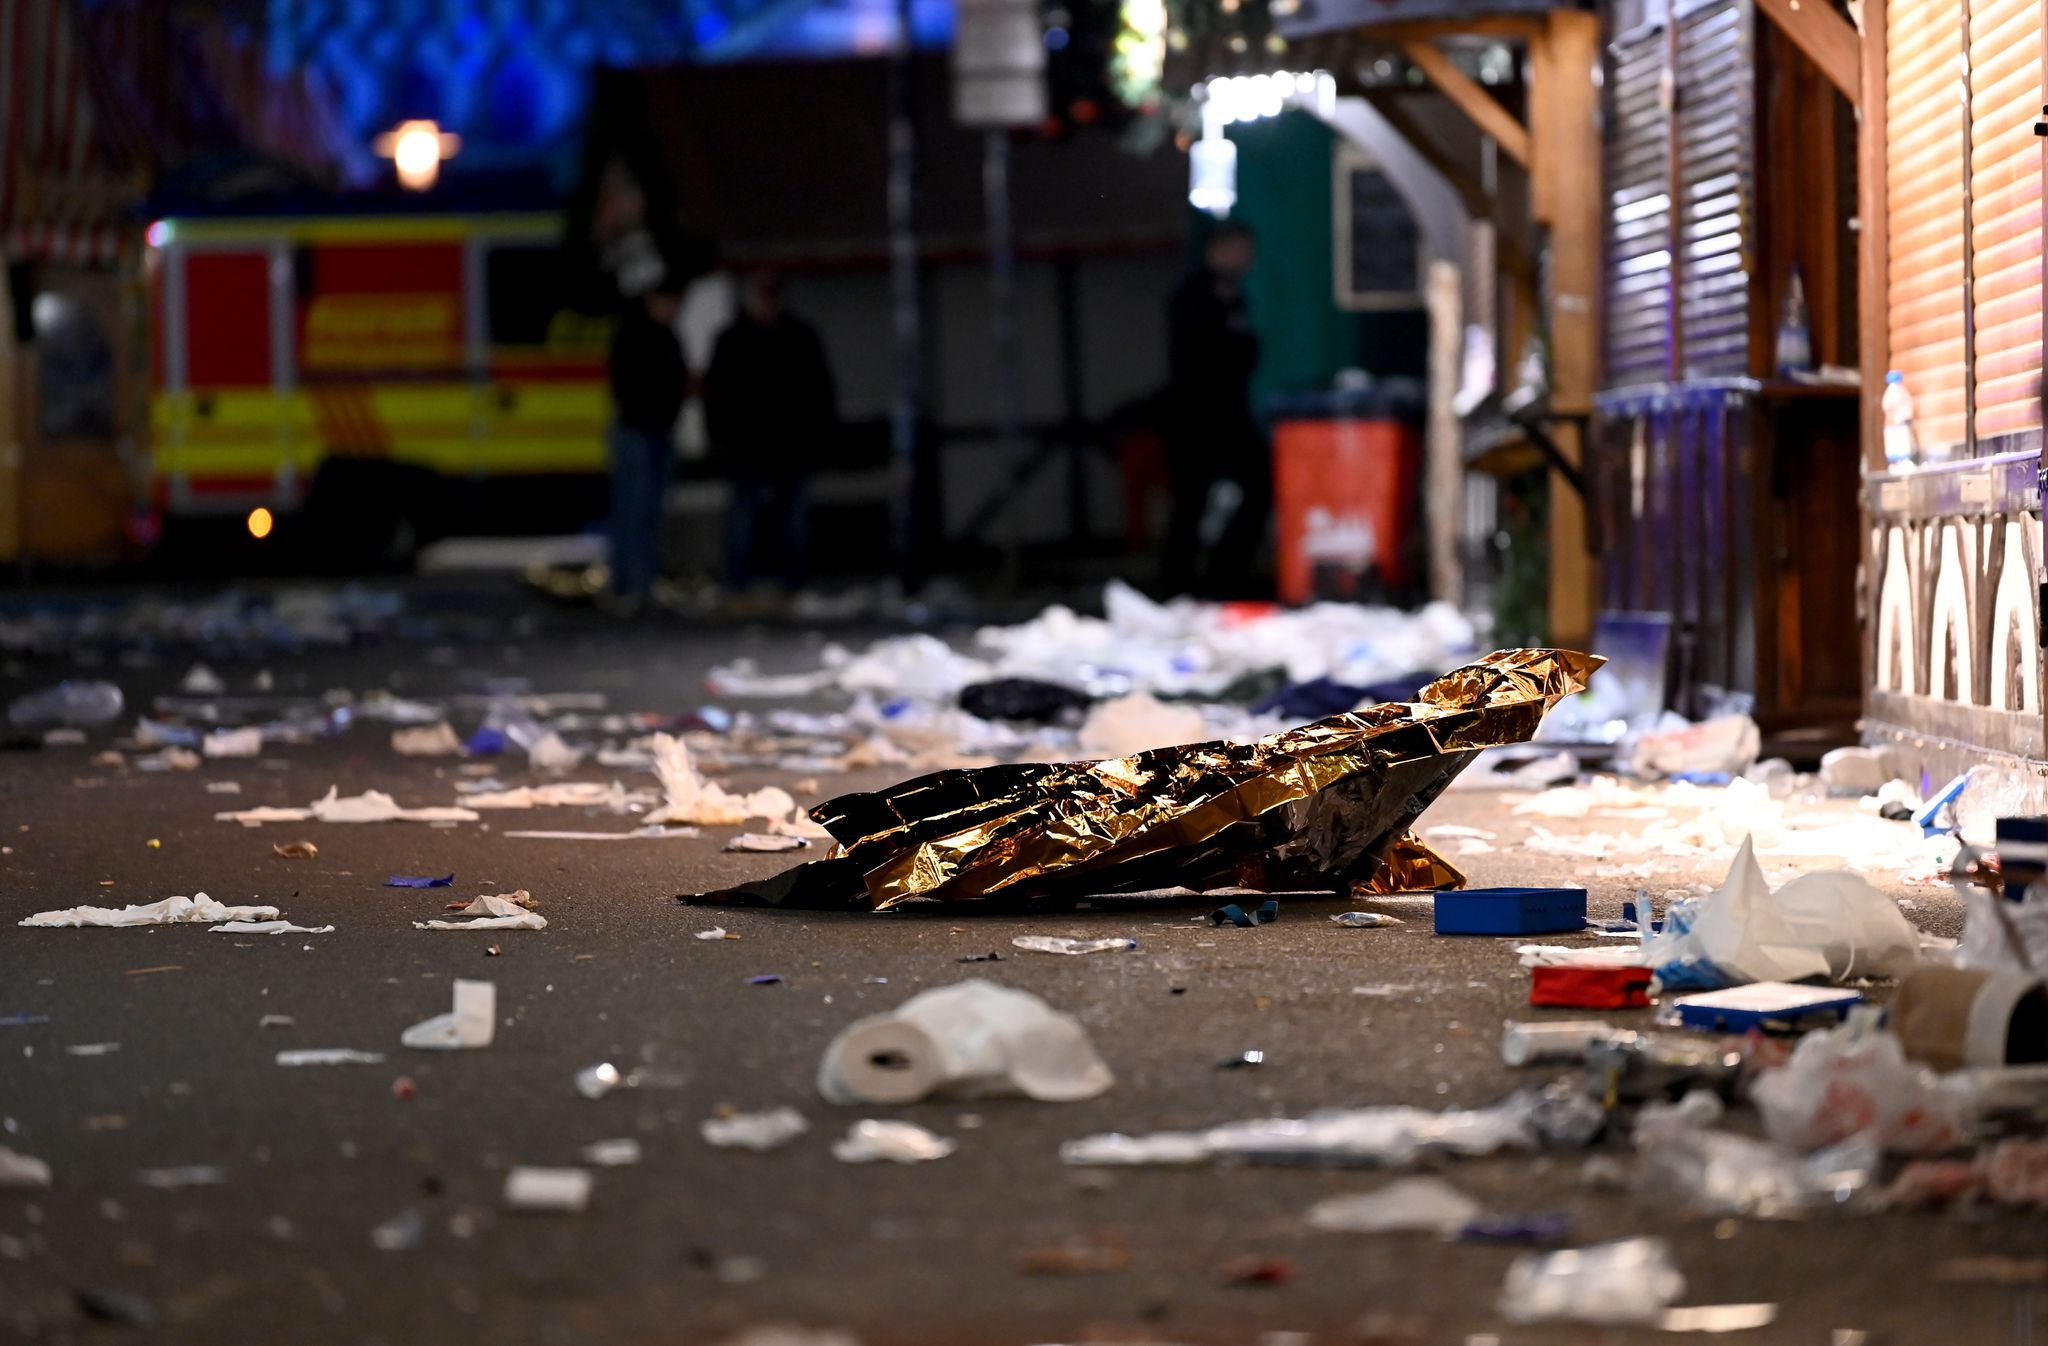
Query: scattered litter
{"x": 1854, "y": 771}
{"x": 1765, "y": 1006}
{"x": 612, "y": 1153}
{"x": 1364, "y": 920}
{"x": 766, "y": 979}
{"x": 1256, "y": 1269}
{"x": 1553, "y": 1043}
{"x": 329, "y": 1056}
{"x": 1633, "y": 1281}
{"x": 1080, "y": 1255}
{"x": 1829, "y": 924}
{"x": 186, "y": 1175}
{"x": 970, "y": 1039}
{"x": 402, "y": 1233}
{"x": 243, "y": 742}
{"x": 1576, "y": 986}
{"x": 1724, "y": 1318}
{"x": 1063, "y": 944}
{"x": 22, "y": 1170}
{"x": 470, "y": 1024}
{"x": 1954, "y": 1017}
{"x": 295, "y": 850}
{"x": 82, "y": 704}
{"x": 656, "y": 833}
{"x": 693, "y": 799}
{"x": 505, "y": 911}
{"x": 869, "y": 1141}
{"x": 431, "y": 740}
{"x": 990, "y": 957}
{"x": 405, "y": 881}
{"x": 759, "y": 1131}
{"x": 1390, "y": 1136}
{"x": 552, "y": 753}
{"x": 371, "y": 806}
{"x": 1726, "y": 746}
{"x": 195, "y": 910}
{"x": 1510, "y": 911}
{"x": 172, "y": 758}
{"x": 1245, "y": 1060}
{"x": 548, "y": 1190}
{"x": 1232, "y": 914}
{"x": 270, "y": 928}
{"x": 598, "y": 1080}
{"x": 276, "y": 1021}
{"x": 613, "y": 798}
{"x": 22, "y": 1020}
{"x": 1856, "y": 1081}
{"x": 202, "y": 681}
{"x": 92, "y": 1049}
{"x": 1131, "y": 724}
{"x": 109, "y": 1304}
{"x": 715, "y": 932}
{"x": 765, "y": 843}
{"x": 1428, "y": 1205}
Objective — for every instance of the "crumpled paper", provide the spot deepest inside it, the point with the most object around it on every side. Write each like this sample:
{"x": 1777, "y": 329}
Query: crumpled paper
{"x": 502, "y": 912}
{"x": 1319, "y": 805}
{"x": 198, "y": 909}
{"x": 692, "y": 798}
{"x": 371, "y": 806}
{"x": 270, "y": 928}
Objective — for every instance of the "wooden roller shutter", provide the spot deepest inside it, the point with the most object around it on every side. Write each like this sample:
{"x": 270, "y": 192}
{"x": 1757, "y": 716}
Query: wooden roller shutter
{"x": 1924, "y": 200}
{"x": 1638, "y": 212}
{"x": 2005, "y": 215}
{"x": 1716, "y": 173}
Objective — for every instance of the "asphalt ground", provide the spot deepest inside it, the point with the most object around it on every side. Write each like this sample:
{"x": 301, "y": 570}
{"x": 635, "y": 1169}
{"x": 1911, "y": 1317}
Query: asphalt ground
{"x": 697, "y": 1244}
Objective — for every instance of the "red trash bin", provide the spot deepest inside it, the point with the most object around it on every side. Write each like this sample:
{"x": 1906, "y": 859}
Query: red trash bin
{"x": 1344, "y": 497}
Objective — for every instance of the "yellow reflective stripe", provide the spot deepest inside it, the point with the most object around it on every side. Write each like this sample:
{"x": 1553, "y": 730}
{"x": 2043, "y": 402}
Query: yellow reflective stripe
{"x": 375, "y": 228}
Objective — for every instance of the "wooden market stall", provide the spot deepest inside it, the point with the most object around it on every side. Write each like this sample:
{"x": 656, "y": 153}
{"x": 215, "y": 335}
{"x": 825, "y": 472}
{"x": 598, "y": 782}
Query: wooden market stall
{"x": 1952, "y": 163}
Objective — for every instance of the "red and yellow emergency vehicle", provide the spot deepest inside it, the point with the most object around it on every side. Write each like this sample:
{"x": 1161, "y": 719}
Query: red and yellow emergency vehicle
{"x": 373, "y": 381}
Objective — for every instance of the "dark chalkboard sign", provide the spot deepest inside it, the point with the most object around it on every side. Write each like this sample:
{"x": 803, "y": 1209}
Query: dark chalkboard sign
{"x": 1379, "y": 246}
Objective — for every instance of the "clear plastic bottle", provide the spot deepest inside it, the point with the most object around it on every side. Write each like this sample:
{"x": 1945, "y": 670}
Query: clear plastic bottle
{"x": 1901, "y": 442}
{"x": 1795, "y": 337}
{"x": 72, "y": 703}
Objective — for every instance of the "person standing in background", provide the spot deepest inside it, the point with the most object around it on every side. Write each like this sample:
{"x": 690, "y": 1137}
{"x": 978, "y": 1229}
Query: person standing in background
{"x": 1211, "y": 434}
{"x": 770, "y": 409}
{"x": 650, "y": 380}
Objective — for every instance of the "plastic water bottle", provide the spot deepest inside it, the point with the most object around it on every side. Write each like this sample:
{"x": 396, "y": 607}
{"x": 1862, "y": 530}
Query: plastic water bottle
{"x": 73, "y": 703}
{"x": 1901, "y": 444}
{"x": 1795, "y": 337}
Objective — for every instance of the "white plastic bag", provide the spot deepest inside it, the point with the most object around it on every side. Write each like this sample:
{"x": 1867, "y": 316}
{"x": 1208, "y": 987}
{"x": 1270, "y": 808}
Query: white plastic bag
{"x": 1829, "y": 924}
{"x": 1632, "y": 1281}
{"x": 1856, "y": 1081}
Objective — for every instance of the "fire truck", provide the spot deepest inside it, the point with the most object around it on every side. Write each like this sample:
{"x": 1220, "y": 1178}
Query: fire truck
{"x": 364, "y": 384}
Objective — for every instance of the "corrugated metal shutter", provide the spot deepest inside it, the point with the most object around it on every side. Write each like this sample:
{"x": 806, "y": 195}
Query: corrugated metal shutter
{"x": 2005, "y": 213}
{"x": 1716, "y": 170}
{"x": 1924, "y": 198}
{"x": 1638, "y": 213}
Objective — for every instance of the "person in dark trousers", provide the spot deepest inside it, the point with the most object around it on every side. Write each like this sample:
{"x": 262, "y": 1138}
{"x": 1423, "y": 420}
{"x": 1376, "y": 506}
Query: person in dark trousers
{"x": 649, "y": 380}
{"x": 1211, "y": 434}
{"x": 770, "y": 409}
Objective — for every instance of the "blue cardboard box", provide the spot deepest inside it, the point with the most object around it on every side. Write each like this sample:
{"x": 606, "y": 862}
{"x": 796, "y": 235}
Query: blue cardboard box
{"x": 1511, "y": 911}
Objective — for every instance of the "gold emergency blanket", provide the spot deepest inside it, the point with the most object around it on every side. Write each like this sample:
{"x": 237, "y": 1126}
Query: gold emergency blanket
{"x": 1326, "y": 805}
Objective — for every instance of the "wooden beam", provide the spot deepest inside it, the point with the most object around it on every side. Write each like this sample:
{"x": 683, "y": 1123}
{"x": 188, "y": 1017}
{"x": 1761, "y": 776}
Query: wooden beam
{"x": 1388, "y": 103}
{"x": 1565, "y": 194}
{"x": 1828, "y": 39}
{"x": 1484, "y": 110}
{"x": 1873, "y": 237}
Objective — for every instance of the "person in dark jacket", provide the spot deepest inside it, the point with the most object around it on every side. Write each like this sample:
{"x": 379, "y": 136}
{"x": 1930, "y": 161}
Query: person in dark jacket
{"x": 649, "y": 380}
{"x": 1211, "y": 435}
{"x": 770, "y": 409}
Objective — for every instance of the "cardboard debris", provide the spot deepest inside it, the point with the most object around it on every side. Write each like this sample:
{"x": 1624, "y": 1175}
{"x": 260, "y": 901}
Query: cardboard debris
{"x": 433, "y": 740}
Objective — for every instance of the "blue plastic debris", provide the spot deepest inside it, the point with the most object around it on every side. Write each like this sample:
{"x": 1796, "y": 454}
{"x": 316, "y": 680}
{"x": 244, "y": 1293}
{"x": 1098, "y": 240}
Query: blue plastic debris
{"x": 1269, "y": 911}
{"x": 1765, "y": 1004}
{"x": 1231, "y": 914}
{"x": 423, "y": 881}
{"x": 1934, "y": 816}
{"x": 1550, "y": 1228}
{"x": 1511, "y": 911}
{"x": 766, "y": 979}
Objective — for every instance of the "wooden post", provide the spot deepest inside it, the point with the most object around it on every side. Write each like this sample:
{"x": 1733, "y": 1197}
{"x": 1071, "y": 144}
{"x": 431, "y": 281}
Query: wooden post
{"x": 12, "y": 430}
{"x": 1565, "y": 196}
{"x": 1825, "y": 36}
{"x": 1444, "y": 444}
{"x": 1873, "y": 234}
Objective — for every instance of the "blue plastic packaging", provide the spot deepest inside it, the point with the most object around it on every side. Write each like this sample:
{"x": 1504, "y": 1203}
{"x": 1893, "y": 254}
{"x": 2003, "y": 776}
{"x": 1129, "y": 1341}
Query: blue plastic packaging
{"x": 1511, "y": 911}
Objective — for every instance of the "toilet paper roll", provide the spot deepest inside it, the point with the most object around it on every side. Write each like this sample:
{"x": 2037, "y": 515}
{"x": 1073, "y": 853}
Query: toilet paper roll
{"x": 881, "y": 1060}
